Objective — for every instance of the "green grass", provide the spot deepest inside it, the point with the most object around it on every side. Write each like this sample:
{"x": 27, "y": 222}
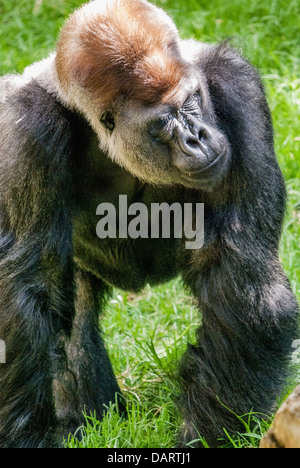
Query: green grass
{"x": 147, "y": 334}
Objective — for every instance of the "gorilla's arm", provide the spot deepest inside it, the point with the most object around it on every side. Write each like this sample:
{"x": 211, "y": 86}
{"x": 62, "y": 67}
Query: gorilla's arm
{"x": 36, "y": 272}
{"x": 249, "y": 312}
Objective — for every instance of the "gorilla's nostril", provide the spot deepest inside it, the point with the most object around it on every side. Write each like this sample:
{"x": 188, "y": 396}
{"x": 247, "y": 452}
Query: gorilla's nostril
{"x": 192, "y": 143}
{"x": 202, "y": 135}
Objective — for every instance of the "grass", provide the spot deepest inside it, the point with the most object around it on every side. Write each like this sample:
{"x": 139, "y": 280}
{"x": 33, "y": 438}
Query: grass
{"x": 147, "y": 334}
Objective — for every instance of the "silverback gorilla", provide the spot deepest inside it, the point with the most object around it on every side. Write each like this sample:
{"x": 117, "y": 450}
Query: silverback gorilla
{"x": 125, "y": 107}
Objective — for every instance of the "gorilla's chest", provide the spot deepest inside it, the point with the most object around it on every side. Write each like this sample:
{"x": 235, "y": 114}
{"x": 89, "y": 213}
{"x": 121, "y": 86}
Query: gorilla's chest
{"x": 128, "y": 263}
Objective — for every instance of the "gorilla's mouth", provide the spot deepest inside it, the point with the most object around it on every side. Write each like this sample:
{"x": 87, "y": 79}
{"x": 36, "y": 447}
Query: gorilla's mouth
{"x": 213, "y": 169}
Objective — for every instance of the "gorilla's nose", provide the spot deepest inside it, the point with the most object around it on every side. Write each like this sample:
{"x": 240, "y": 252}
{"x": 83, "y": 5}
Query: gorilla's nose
{"x": 193, "y": 143}
{"x": 197, "y": 145}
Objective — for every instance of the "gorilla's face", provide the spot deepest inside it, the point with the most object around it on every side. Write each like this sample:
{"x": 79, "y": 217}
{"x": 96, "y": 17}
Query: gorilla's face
{"x": 175, "y": 142}
{"x": 114, "y": 61}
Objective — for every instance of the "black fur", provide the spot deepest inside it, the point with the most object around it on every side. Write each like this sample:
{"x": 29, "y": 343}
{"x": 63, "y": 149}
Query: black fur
{"x": 55, "y": 274}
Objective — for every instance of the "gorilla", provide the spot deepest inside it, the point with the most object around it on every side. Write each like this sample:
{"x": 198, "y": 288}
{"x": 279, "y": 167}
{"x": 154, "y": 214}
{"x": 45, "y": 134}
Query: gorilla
{"x": 125, "y": 107}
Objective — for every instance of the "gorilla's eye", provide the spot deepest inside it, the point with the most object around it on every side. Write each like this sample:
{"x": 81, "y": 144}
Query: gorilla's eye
{"x": 193, "y": 104}
{"x": 160, "y": 129}
{"x": 157, "y": 126}
{"x": 107, "y": 120}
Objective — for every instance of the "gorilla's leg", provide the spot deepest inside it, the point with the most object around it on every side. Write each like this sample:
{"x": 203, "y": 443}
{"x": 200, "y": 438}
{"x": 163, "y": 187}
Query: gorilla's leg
{"x": 241, "y": 360}
{"x": 90, "y": 384}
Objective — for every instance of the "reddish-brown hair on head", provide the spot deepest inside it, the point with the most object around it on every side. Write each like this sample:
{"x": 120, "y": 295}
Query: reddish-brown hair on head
{"x": 124, "y": 50}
